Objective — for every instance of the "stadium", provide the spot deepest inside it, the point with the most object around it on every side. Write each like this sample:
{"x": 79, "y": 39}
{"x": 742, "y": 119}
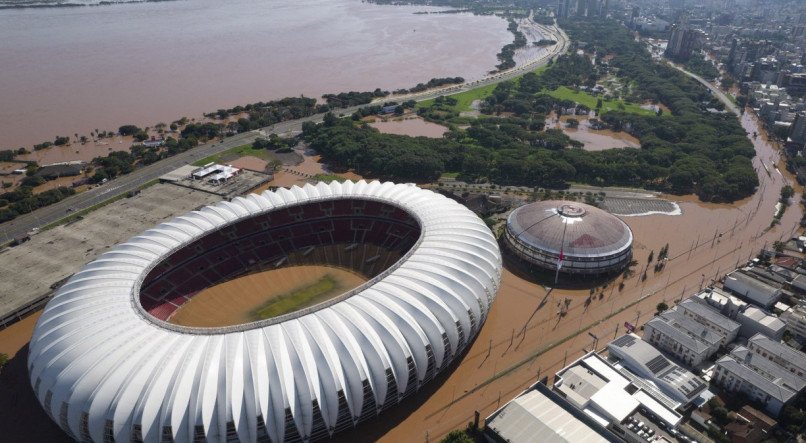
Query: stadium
{"x": 109, "y": 362}
{"x": 571, "y": 237}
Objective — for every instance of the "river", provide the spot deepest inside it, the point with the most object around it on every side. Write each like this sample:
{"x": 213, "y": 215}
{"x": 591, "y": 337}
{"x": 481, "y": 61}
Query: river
{"x": 73, "y": 70}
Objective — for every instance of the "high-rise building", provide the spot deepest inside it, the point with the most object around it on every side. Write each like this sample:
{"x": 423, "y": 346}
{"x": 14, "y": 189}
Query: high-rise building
{"x": 681, "y": 42}
{"x": 563, "y": 8}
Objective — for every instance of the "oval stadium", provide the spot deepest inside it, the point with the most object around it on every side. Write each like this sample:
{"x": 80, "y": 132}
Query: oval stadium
{"x": 379, "y": 287}
{"x": 575, "y": 237}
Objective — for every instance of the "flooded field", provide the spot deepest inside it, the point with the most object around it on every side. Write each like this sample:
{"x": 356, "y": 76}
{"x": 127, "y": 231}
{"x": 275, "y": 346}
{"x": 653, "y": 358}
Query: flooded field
{"x": 594, "y": 140}
{"x": 241, "y": 300}
{"x": 411, "y": 126}
{"x": 77, "y": 151}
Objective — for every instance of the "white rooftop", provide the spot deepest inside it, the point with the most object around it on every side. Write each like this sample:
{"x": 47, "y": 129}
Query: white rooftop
{"x": 534, "y": 414}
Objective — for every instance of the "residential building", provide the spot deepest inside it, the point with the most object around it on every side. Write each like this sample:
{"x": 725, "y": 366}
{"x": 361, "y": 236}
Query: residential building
{"x": 795, "y": 320}
{"x": 755, "y": 321}
{"x": 710, "y": 318}
{"x": 687, "y": 340}
{"x": 681, "y": 42}
{"x": 752, "y": 289}
{"x": 790, "y": 359}
{"x": 758, "y": 378}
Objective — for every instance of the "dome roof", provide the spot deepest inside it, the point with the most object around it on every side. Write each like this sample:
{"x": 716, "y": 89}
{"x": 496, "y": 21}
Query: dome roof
{"x": 574, "y": 228}
{"x": 101, "y": 367}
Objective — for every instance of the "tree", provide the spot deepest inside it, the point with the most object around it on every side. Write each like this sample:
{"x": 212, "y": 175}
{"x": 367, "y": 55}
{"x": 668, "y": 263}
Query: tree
{"x": 651, "y": 256}
{"x": 786, "y": 193}
{"x": 457, "y": 437}
{"x": 3, "y": 360}
{"x": 662, "y": 306}
{"x": 778, "y": 246}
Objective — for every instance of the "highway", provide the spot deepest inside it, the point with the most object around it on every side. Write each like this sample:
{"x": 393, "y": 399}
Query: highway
{"x": 44, "y": 216}
{"x": 729, "y": 104}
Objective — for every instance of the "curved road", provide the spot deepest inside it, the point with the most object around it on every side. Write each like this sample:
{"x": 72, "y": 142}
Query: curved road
{"x": 139, "y": 177}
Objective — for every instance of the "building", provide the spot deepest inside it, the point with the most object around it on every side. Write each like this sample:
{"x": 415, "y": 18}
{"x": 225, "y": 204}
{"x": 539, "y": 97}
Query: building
{"x": 790, "y": 359}
{"x": 685, "y": 339}
{"x": 681, "y": 42}
{"x": 757, "y": 377}
{"x": 795, "y": 320}
{"x": 539, "y": 411}
{"x": 106, "y": 365}
{"x": 721, "y": 300}
{"x": 624, "y": 403}
{"x": 752, "y": 289}
{"x": 797, "y": 132}
{"x": 642, "y": 359}
{"x": 570, "y": 237}
{"x": 726, "y": 328}
{"x": 755, "y": 321}
{"x": 56, "y": 170}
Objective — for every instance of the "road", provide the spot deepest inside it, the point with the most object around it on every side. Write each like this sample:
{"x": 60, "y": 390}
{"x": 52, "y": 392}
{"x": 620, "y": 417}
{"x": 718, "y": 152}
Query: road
{"x": 129, "y": 182}
{"x": 729, "y": 104}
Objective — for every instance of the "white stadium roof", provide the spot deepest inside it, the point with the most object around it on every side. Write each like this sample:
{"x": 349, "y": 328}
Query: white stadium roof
{"x": 104, "y": 369}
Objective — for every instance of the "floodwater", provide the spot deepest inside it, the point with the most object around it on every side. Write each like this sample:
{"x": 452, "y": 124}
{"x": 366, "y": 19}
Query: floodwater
{"x": 524, "y": 339}
{"x": 594, "y": 140}
{"x": 235, "y": 302}
{"x": 411, "y": 126}
{"x": 76, "y": 151}
{"x": 250, "y": 162}
{"x": 73, "y": 70}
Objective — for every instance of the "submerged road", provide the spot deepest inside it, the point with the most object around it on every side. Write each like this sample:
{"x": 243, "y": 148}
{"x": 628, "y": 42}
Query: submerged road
{"x": 139, "y": 177}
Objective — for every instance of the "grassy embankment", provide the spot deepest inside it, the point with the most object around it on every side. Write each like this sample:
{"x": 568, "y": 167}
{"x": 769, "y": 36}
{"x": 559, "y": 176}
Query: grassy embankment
{"x": 238, "y": 151}
{"x": 300, "y": 298}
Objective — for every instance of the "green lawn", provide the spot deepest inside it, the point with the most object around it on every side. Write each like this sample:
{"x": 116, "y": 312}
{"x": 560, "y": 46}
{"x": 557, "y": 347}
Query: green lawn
{"x": 589, "y": 100}
{"x": 238, "y": 151}
{"x": 464, "y": 99}
{"x": 327, "y": 178}
{"x": 300, "y": 298}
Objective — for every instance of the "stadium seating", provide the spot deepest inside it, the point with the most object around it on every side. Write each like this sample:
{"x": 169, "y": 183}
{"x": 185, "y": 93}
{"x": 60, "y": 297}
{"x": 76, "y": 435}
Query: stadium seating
{"x": 363, "y": 235}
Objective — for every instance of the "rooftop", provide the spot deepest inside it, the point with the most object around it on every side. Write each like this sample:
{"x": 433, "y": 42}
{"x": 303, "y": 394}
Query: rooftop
{"x": 673, "y": 328}
{"x": 575, "y": 228}
{"x": 751, "y": 281}
{"x": 787, "y": 353}
{"x": 711, "y": 315}
{"x": 541, "y": 412}
{"x": 734, "y": 363}
{"x": 763, "y": 318}
{"x": 652, "y": 363}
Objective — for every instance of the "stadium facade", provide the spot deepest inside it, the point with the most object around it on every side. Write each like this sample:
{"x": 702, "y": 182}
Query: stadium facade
{"x": 574, "y": 237}
{"x": 106, "y": 365}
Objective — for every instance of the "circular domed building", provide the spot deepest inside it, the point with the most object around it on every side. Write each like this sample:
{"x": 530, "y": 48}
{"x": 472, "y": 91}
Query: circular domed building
{"x": 577, "y": 238}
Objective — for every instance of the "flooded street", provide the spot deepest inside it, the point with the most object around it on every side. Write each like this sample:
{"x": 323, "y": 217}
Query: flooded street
{"x": 105, "y": 66}
{"x": 411, "y": 126}
{"x": 524, "y": 338}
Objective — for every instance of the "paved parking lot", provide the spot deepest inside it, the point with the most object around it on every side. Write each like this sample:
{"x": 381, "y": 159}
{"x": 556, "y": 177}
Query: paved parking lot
{"x": 31, "y": 268}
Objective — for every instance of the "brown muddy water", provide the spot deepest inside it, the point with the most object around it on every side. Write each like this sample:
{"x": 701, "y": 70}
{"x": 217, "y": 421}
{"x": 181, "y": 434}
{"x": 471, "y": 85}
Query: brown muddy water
{"x": 73, "y": 70}
{"x": 594, "y": 140}
{"x": 411, "y": 126}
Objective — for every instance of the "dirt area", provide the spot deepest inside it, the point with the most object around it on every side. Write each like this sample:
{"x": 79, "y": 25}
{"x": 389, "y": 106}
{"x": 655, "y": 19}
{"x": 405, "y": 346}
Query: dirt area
{"x": 411, "y": 126}
{"x": 250, "y": 162}
{"x": 236, "y": 301}
{"x": 301, "y": 173}
{"x": 30, "y": 269}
